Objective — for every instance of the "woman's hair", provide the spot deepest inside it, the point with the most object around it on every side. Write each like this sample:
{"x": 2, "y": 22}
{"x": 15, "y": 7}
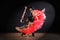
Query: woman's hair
{"x": 30, "y": 7}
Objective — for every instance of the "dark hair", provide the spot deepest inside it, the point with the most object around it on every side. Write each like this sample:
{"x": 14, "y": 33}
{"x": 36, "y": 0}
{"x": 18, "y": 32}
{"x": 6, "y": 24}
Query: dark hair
{"x": 30, "y": 7}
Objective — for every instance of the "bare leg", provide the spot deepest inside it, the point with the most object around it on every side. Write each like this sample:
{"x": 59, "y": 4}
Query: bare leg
{"x": 18, "y": 29}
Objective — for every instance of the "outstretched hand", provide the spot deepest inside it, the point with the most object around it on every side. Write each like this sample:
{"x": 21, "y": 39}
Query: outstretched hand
{"x": 23, "y": 14}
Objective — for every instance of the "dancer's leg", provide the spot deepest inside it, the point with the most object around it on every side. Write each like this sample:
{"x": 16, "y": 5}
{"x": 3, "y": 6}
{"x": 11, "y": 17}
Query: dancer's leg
{"x": 18, "y": 28}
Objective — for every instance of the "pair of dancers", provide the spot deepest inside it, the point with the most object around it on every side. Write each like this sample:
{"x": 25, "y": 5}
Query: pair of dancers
{"x": 34, "y": 25}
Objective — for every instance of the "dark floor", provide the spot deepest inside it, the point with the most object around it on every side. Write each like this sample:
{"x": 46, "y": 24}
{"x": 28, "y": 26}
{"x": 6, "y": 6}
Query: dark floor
{"x": 38, "y": 36}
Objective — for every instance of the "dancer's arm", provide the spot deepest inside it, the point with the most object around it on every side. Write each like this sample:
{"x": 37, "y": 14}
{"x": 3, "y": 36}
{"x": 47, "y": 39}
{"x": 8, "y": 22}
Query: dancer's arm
{"x": 23, "y": 13}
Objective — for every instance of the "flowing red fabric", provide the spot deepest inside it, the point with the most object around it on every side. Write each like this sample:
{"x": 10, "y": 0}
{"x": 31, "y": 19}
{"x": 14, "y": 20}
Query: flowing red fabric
{"x": 37, "y": 24}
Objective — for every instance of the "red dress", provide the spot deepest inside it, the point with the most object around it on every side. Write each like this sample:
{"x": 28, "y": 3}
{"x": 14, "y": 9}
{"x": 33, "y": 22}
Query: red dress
{"x": 37, "y": 24}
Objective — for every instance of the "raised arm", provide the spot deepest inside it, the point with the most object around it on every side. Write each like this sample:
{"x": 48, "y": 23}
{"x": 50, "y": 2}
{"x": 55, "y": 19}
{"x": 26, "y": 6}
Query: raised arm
{"x": 23, "y": 13}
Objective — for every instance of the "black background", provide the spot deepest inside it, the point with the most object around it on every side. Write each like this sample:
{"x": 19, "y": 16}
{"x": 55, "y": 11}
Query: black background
{"x": 10, "y": 7}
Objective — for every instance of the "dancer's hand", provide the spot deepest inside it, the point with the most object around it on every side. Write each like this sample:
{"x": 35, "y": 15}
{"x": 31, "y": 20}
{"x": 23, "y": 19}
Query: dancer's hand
{"x": 25, "y": 7}
{"x": 21, "y": 21}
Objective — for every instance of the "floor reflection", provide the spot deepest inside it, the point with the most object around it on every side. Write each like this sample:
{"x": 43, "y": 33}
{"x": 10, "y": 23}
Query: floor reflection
{"x": 17, "y": 36}
{"x": 38, "y": 36}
